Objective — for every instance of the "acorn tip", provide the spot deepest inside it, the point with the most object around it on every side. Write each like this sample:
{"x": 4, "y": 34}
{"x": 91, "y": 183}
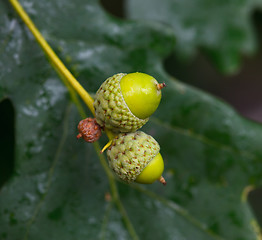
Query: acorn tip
{"x": 162, "y": 180}
{"x": 160, "y": 86}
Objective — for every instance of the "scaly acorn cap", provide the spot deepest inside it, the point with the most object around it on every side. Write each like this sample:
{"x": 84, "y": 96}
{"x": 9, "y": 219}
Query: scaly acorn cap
{"x": 130, "y": 153}
{"x": 111, "y": 109}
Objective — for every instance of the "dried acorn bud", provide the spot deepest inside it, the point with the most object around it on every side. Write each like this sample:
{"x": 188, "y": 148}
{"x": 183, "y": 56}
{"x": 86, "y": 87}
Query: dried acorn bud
{"x": 124, "y": 102}
{"x": 135, "y": 157}
{"x": 89, "y": 130}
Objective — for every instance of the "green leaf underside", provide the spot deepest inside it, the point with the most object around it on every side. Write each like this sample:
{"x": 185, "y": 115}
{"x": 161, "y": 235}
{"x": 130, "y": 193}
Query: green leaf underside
{"x": 58, "y": 188}
{"x": 223, "y": 29}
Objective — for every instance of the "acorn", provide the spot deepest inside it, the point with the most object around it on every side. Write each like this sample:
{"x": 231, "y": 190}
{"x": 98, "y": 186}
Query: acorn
{"x": 124, "y": 102}
{"x": 135, "y": 157}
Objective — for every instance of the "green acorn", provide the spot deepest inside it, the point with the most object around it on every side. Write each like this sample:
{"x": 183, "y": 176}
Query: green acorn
{"x": 124, "y": 102}
{"x": 135, "y": 157}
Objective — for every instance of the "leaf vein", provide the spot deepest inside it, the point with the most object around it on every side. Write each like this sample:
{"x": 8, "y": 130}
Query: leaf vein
{"x": 180, "y": 210}
{"x": 51, "y": 171}
{"x": 202, "y": 138}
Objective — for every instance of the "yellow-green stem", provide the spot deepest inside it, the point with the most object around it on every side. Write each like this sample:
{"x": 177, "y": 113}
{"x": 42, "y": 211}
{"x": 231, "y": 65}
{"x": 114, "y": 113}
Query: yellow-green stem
{"x": 73, "y": 95}
{"x": 74, "y": 85}
{"x": 56, "y": 62}
{"x": 53, "y": 57}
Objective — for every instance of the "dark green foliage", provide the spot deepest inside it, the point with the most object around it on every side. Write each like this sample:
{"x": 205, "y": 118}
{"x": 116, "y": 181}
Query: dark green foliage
{"x": 58, "y": 187}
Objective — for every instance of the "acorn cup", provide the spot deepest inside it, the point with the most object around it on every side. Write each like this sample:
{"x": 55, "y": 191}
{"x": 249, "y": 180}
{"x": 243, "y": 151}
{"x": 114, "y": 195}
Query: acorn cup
{"x": 135, "y": 157}
{"x": 124, "y": 102}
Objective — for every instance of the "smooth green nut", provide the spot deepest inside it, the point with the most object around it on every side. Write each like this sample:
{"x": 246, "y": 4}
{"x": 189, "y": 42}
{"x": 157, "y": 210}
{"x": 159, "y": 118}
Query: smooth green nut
{"x": 153, "y": 171}
{"x": 124, "y": 102}
{"x": 135, "y": 157}
{"x": 141, "y": 94}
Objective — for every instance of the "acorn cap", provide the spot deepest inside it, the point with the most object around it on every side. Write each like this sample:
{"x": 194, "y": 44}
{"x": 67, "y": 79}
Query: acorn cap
{"x": 112, "y": 111}
{"x": 130, "y": 153}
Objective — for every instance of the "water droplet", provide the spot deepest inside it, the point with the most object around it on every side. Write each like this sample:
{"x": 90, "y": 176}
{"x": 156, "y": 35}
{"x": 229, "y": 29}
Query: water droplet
{"x": 30, "y": 197}
{"x": 30, "y": 111}
{"x": 55, "y": 89}
{"x": 92, "y": 220}
{"x": 29, "y": 8}
{"x": 16, "y": 58}
{"x": 41, "y": 187}
{"x": 41, "y": 183}
{"x": 12, "y": 25}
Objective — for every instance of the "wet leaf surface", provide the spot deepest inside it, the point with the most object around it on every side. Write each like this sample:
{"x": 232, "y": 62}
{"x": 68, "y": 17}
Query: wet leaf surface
{"x": 59, "y": 189}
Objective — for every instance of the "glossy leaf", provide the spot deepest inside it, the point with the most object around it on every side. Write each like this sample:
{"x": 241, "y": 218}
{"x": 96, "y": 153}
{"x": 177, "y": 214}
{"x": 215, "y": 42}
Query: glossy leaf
{"x": 59, "y": 189}
{"x": 222, "y": 29}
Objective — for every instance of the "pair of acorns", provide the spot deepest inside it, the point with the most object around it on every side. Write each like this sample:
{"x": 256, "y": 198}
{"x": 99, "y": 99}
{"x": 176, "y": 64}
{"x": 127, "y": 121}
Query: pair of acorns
{"x": 123, "y": 104}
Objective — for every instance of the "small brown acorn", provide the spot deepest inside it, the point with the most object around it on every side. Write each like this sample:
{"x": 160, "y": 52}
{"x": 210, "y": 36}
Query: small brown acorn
{"x": 89, "y": 130}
